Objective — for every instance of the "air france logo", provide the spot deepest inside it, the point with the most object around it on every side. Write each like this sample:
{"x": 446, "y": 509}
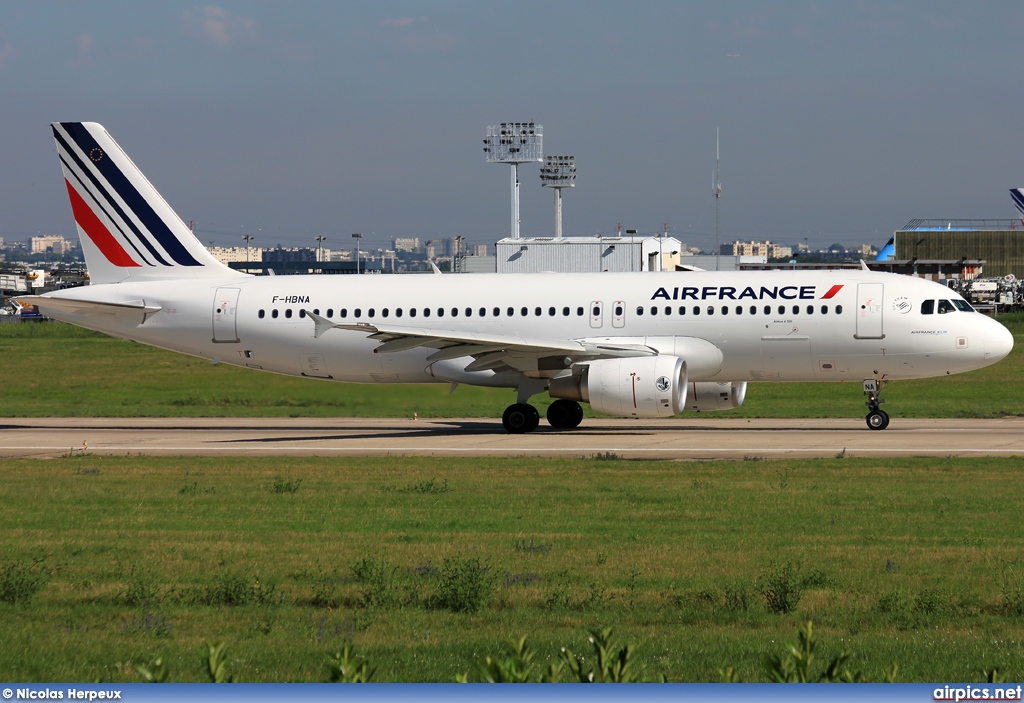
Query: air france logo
{"x": 748, "y": 293}
{"x": 663, "y": 384}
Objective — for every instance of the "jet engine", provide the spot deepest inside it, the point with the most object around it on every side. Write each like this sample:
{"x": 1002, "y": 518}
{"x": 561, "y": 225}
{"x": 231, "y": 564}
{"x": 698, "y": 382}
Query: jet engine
{"x": 641, "y": 386}
{"x": 711, "y": 395}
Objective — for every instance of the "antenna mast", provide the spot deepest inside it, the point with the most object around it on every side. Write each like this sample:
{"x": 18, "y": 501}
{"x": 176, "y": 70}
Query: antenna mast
{"x": 716, "y": 189}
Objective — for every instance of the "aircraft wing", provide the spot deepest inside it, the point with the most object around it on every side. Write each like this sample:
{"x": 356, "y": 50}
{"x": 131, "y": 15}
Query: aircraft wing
{"x": 132, "y": 308}
{"x": 490, "y": 351}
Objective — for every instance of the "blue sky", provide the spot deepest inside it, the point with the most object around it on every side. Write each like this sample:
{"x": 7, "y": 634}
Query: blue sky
{"x": 840, "y": 121}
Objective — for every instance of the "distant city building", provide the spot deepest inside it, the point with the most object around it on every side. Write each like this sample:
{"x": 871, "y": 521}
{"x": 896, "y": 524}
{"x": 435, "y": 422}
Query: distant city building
{"x": 226, "y": 255}
{"x": 282, "y": 254}
{"x": 478, "y": 250}
{"x": 772, "y": 251}
{"x": 51, "y": 243}
{"x": 406, "y": 244}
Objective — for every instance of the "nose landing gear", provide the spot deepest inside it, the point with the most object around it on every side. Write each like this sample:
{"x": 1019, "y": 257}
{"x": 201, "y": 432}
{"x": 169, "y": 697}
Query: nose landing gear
{"x": 877, "y": 419}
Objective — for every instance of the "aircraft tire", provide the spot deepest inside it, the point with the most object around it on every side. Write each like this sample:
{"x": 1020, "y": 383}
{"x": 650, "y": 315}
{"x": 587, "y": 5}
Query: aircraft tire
{"x": 565, "y": 414}
{"x": 520, "y": 418}
{"x": 877, "y": 420}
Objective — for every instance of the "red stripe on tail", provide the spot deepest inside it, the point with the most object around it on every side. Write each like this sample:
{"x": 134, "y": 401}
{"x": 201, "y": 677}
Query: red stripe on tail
{"x": 97, "y": 232}
{"x": 832, "y": 291}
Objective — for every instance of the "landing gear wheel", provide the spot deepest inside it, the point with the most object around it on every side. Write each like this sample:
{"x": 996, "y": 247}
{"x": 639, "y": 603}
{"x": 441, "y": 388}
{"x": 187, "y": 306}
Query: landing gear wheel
{"x": 565, "y": 414}
{"x": 520, "y": 418}
{"x": 878, "y": 420}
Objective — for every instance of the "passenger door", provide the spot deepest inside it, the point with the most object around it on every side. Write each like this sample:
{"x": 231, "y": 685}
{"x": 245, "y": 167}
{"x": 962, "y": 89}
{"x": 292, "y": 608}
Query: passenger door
{"x": 869, "y": 311}
{"x": 225, "y": 315}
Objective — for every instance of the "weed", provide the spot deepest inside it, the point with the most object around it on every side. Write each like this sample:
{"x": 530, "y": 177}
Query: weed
{"x": 465, "y": 584}
{"x": 523, "y": 579}
{"x": 238, "y": 589}
{"x": 194, "y": 489}
{"x": 520, "y": 545}
{"x": 155, "y": 671}
{"x": 149, "y": 623}
{"x": 738, "y": 596}
{"x": 842, "y": 454}
{"x": 606, "y": 456}
{"x": 280, "y": 485}
{"x": 217, "y": 663}
{"x": 324, "y": 589}
{"x": 518, "y": 668}
{"x": 378, "y": 578}
{"x": 348, "y": 667}
{"x": 430, "y": 487}
{"x": 142, "y": 587}
{"x": 19, "y": 582}
{"x": 782, "y": 588}
{"x": 795, "y": 665}
{"x": 699, "y": 485}
{"x": 610, "y": 663}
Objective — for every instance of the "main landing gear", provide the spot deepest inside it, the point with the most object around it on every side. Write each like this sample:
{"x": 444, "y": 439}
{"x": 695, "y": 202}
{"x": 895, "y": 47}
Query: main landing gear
{"x": 522, "y": 417}
{"x": 877, "y": 419}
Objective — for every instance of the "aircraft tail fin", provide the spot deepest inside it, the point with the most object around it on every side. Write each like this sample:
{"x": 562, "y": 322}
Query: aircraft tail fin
{"x": 1018, "y": 199}
{"x": 127, "y": 230}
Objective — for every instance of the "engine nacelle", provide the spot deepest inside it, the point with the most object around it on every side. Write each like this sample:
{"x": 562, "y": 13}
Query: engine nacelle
{"x": 640, "y": 386}
{"x": 710, "y": 395}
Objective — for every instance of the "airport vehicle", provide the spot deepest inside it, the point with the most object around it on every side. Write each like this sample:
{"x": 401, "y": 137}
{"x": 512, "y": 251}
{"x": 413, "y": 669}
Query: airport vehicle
{"x": 641, "y": 345}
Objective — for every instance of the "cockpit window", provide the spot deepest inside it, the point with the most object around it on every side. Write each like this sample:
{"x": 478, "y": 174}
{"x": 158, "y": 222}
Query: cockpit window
{"x": 963, "y": 305}
{"x": 946, "y": 306}
{"x": 927, "y": 307}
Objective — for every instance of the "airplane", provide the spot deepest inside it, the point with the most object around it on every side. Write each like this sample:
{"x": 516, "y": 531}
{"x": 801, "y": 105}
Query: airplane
{"x": 635, "y": 345}
{"x": 1018, "y": 200}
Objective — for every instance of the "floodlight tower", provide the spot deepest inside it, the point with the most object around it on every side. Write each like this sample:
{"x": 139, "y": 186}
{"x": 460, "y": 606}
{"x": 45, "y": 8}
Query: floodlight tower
{"x": 514, "y": 143}
{"x": 558, "y": 172}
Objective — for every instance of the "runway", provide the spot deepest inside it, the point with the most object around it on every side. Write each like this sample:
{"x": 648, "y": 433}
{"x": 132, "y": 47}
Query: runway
{"x": 689, "y": 438}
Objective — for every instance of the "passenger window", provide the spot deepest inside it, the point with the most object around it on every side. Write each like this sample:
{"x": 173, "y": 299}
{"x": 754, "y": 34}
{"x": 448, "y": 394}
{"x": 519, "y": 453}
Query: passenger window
{"x": 946, "y": 306}
{"x": 273, "y": 314}
{"x": 496, "y": 312}
{"x": 316, "y": 311}
{"x": 412, "y": 312}
{"x": 753, "y": 309}
{"x": 330, "y": 312}
{"x": 482, "y": 312}
{"x": 371, "y": 312}
{"x": 551, "y": 312}
{"x": 739, "y": 309}
{"x": 810, "y": 309}
{"x": 455, "y": 312}
{"x": 343, "y": 312}
{"x": 796, "y": 309}
{"x": 596, "y": 312}
{"x": 384, "y": 312}
{"x": 302, "y": 313}
{"x": 510, "y": 312}
{"x": 711, "y": 309}
{"x": 782, "y": 309}
{"x": 618, "y": 311}
{"x": 398, "y": 312}
{"x": 358, "y": 312}
{"x": 524, "y": 311}
{"x": 639, "y": 309}
{"x": 538, "y": 312}
{"x": 565, "y": 312}
{"x": 696, "y": 310}
{"x": 426, "y": 312}
{"x": 682, "y": 309}
{"x": 654, "y": 310}
{"x": 288, "y": 312}
{"x": 824, "y": 309}
{"x": 767, "y": 309}
{"x": 668, "y": 309}
{"x": 725, "y": 309}
{"x": 839, "y": 309}
{"x": 262, "y": 314}
{"x": 440, "y": 312}
{"x": 579, "y": 311}
{"x": 469, "y": 312}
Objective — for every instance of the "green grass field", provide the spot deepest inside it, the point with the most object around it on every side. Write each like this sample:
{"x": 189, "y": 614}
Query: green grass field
{"x": 912, "y": 561}
{"x": 53, "y": 369}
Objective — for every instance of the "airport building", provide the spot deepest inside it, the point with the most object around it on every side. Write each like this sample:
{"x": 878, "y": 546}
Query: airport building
{"x": 999, "y": 243}
{"x": 588, "y": 254}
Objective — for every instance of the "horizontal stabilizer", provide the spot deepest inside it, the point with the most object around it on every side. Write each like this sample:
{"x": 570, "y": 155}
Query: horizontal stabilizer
{"x": 131, "y": 308}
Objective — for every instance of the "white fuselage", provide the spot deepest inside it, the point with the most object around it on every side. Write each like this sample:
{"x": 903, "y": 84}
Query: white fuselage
{"x": 768, "y": 326}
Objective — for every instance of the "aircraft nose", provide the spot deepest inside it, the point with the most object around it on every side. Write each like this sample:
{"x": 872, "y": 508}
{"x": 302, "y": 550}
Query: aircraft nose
{"x": 998, "y": 342}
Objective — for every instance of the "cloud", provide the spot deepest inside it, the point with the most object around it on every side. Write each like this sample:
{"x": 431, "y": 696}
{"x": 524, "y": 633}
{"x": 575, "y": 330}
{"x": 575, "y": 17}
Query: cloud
{"x": 398, "y": 21}
{"x": 218, "y": 27}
